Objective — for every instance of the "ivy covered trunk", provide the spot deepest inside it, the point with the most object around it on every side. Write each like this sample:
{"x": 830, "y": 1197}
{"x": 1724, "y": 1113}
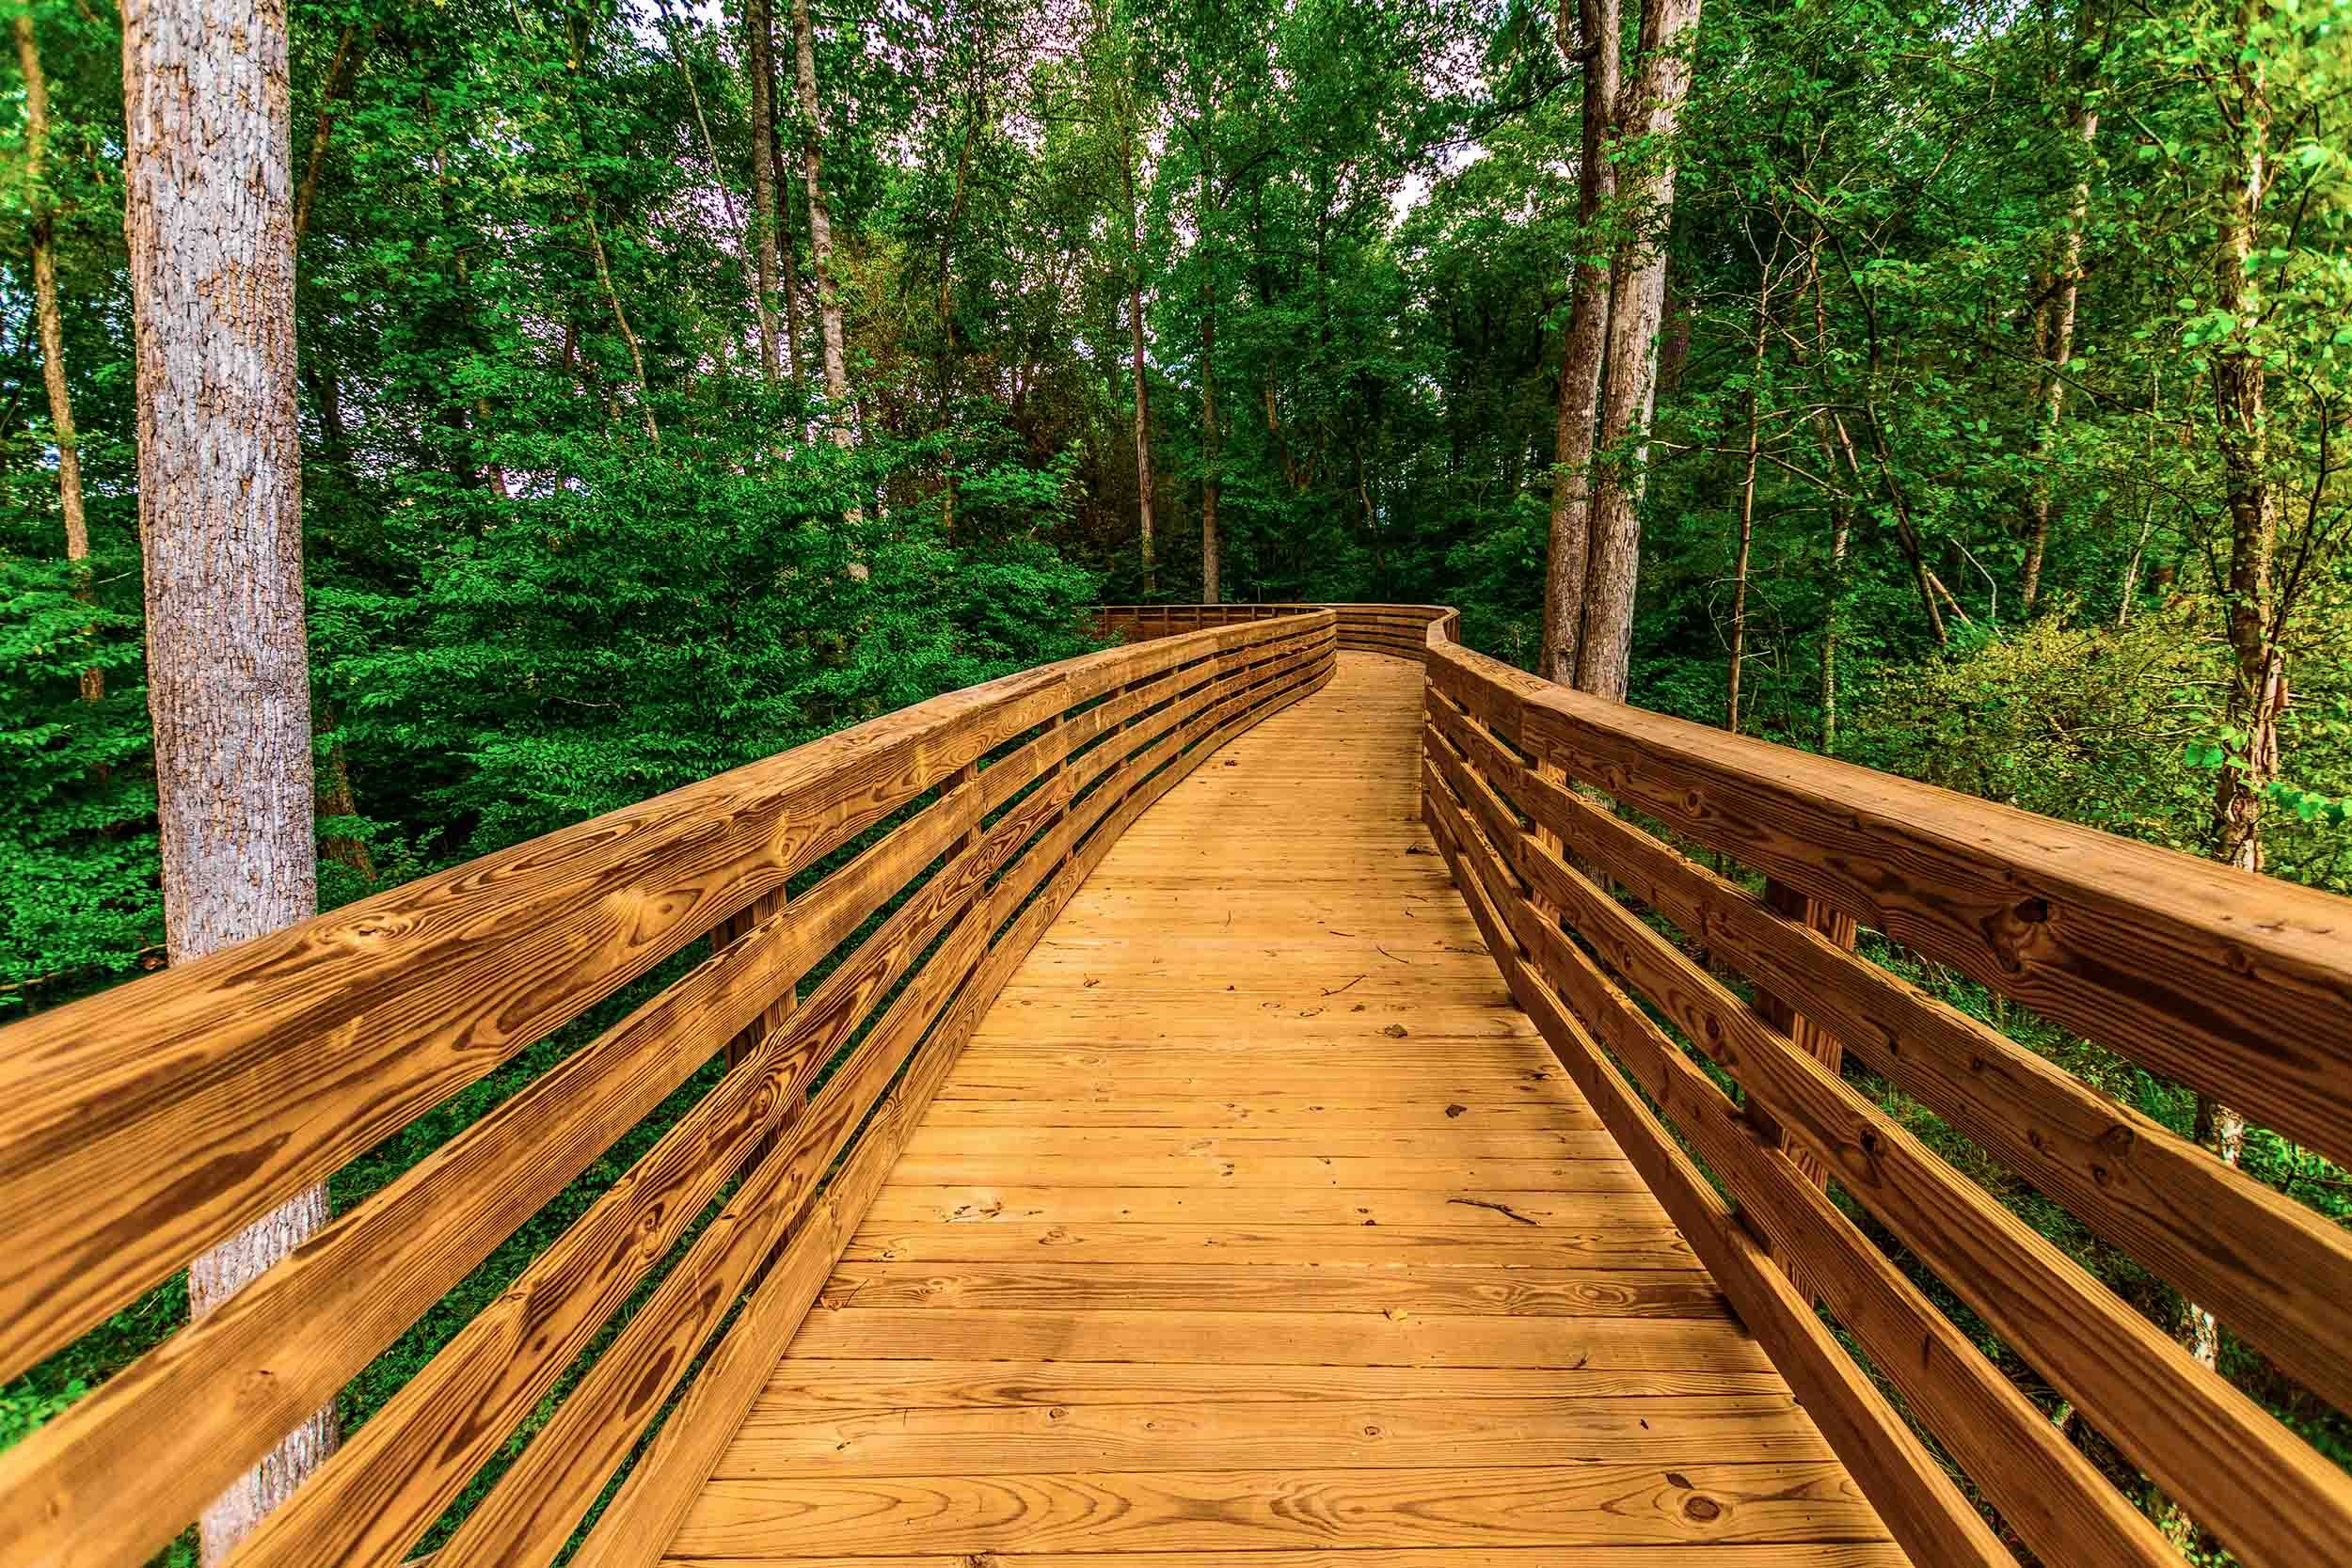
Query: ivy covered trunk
{"x": 210, "y": 220}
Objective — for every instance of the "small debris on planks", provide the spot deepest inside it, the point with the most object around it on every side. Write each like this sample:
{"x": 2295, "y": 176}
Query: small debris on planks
{"x": 1396, "y": 1031}
{"x": 1453, "y": 1111}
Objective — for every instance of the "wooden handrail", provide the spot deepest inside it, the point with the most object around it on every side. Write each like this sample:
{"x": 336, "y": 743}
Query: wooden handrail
{"x": 146, "y": 1123}
{"x": 1404, "y": 630}
{"x": 2237, "y": 985}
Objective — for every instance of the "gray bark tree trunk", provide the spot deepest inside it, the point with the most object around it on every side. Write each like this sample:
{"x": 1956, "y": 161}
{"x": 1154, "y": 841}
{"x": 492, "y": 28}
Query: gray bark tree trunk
{"x": 1637, "y": 305}
{"x": 209, "y": 215}
{"x": 1599, "y": 23}
{"x": 821, "y": 225}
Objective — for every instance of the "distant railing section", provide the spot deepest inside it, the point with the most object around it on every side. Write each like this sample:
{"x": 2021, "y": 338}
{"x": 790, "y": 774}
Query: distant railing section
{"x": 1401, "y": 629}
{"x": 2238, "y": 985}
{"x": 924, "y": 850}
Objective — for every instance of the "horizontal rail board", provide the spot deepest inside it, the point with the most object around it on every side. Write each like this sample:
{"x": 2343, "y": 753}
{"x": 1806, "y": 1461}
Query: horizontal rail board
{"x": 2240, "y": 986}
{"x": 2138, "y": 948}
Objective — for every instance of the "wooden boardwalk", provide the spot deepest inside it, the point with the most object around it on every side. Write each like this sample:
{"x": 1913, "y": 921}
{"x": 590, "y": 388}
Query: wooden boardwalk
{"x": 1255, "y": 1223}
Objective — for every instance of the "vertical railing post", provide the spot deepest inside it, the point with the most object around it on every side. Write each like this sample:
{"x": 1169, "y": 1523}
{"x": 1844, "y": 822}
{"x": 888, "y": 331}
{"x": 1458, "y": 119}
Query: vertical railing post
{"x": 1807, "y": 1036}
{"x": 964, "y": 775}
{"x": 1053, "y": 781}
{"x": 749, "y": 1039}
{"x": 731, "y": 930}
{"x": 1552, "y": 773}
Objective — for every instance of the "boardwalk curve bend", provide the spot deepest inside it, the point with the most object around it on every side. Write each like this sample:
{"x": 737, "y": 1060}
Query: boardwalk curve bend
{"x": 1285, "y": 1085}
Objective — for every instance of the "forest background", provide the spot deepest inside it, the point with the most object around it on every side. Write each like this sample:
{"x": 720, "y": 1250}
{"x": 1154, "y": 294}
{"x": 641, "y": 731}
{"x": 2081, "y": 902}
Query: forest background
{"x": 677, "y": 386}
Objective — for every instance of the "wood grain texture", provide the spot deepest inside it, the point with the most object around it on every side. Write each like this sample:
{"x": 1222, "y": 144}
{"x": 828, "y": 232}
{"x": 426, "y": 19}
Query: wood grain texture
{"x": 1266, "y": 1435}
{"x": 1440, "y": 1206}
{"x": 2163, "y": 1409}
{"x": 2268, "y": 1266}
{"x": 2050, "y": 1493}
{"x": 800, "y": 1385}
{"x": 1208, "y": 1509}
{"x": 2241, "y": 986}
{"x": 531, "y": 1511}
{"x": 1530, "y": 1293}
{"x": 195, "y": 1414}
{"x": 1501, "y": 1244}
{"x": 1811, "y": 1554}
{"x": 1144, "y": 1281}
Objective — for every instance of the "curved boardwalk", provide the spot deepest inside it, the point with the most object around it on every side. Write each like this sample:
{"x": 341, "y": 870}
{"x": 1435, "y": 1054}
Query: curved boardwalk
{"x": 1256, "y": 1226}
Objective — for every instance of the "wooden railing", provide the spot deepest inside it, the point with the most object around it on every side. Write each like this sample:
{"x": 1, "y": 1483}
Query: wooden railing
{"x": 911, "y": 862}
{"x": 1625, "y": 949}
{"x": 922, "y": 852}
{"x": 1402, "y": 629}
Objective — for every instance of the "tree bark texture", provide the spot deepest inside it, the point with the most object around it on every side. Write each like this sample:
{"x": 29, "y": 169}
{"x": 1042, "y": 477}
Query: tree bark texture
{"x": 820, "y": 224}
{"x": 209, "y": 217}
{"x": 1637, "y": 303}
{"x": 1210, "y": 485}
{"x": 1565, "y": 559}
{"x": 760, "y": 38}
{"x": 2258, "y": 662}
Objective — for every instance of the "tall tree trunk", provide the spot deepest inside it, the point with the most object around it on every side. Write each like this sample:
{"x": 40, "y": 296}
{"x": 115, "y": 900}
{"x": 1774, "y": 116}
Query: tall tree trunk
{"x": 1747, "y": 506}
{"x": 2130, "y": 583}
{"x": 821, "y": 225}
{"x": 209, "y": 217}
{"x": 620, "y": 316}
{"x": 339, "y": 74}
{"x": 1211, "y": 455}
{"x": 787, "y": 250}
{"x": 2258, "y": 678}
{"x": 760, "y": 38}
{"x": 1840, "y": 539}
{"x": 1134, "y": 326}
{"x": 1637, "y": 302}
{"x": 52, "y": 326}
{"x": 975, "y": 123}
{"x": 2258, "y": 662}
{"x": 1598, "y": 24}
{"x": 2050, "y": 400}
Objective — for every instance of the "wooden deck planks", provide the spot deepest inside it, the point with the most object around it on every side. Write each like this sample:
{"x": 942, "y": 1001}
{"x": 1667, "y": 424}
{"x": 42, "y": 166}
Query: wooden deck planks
{"x": 1255, "y": 1219}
